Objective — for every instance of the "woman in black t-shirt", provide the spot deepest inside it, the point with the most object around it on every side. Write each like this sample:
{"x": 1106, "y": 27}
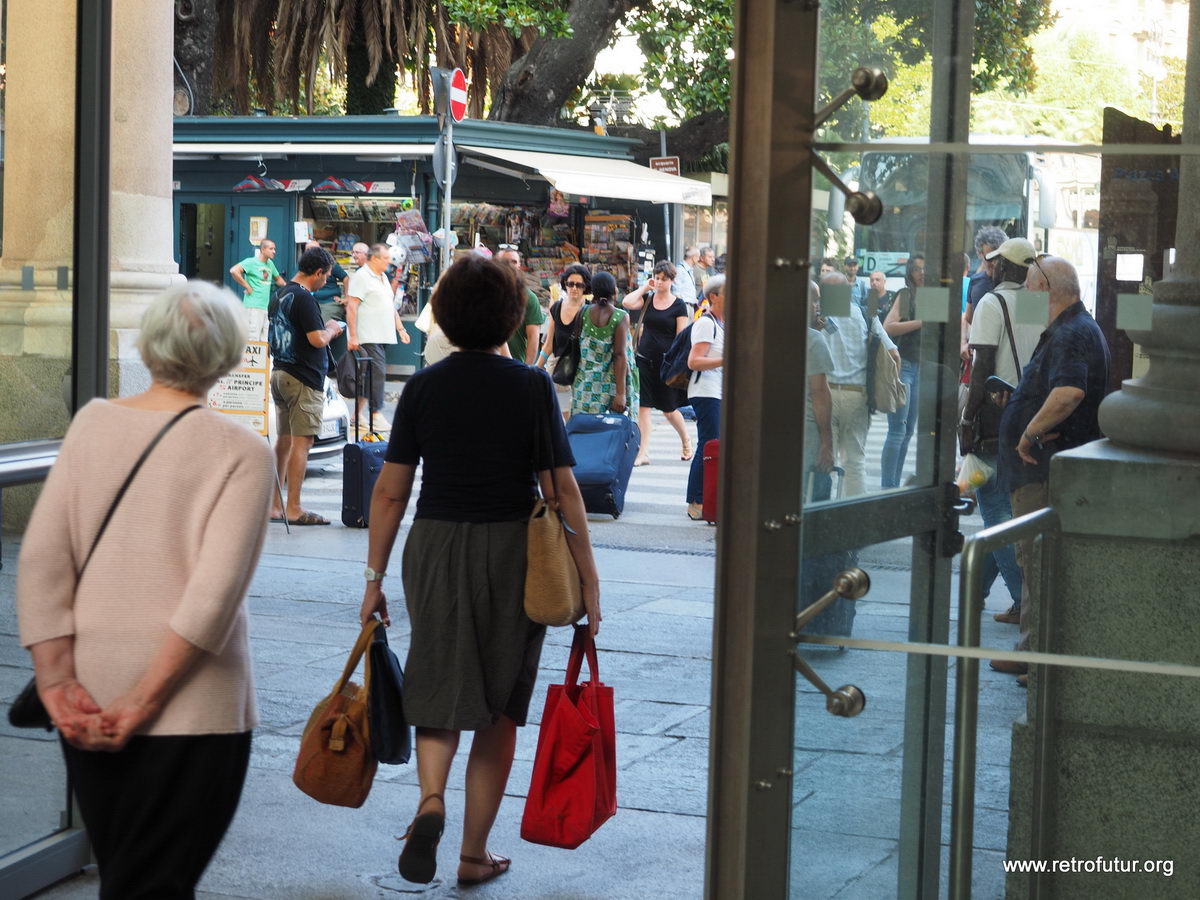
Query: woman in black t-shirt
{"x": 471, "y": 421}
{"x": 663, "y": 316}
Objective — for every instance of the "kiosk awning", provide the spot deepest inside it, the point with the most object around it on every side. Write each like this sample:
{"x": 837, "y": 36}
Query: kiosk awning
{"x": 594, "y": 176}
{"x": 246, "y": 150}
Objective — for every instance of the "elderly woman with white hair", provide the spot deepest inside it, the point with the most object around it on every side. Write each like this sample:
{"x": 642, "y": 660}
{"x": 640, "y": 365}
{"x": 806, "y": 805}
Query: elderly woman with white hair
{"x": 130, "y": 595}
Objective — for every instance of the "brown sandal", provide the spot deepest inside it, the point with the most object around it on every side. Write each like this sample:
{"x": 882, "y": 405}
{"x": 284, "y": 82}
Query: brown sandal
{"x": 418, "y": 859}
{"x": 498, "y": 864}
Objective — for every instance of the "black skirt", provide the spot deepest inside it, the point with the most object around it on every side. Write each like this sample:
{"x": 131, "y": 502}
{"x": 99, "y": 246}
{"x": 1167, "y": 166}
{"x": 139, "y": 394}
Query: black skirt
{"x": 474, "y": 653}
{"x": 654, "y": 394}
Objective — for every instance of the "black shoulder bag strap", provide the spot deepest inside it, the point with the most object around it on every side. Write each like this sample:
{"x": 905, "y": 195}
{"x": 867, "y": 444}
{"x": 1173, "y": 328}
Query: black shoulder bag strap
{"x": 1012, "y": 342}
{"x": 128, "y": 480}
{"x": 543, "y": 442}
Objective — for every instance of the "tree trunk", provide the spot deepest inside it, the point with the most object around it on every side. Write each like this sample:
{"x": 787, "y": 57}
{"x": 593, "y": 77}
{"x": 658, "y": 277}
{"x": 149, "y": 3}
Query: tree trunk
{"x": 195, "y": 43}
{"x": 536, "y": 86}
{"x": 364, "y": 99}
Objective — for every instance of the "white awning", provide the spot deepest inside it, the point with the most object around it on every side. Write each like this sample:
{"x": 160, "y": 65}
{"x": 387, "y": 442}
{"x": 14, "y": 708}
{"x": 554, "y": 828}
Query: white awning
{"x": 594, "y": 176}
{"x": 185, "y": 149}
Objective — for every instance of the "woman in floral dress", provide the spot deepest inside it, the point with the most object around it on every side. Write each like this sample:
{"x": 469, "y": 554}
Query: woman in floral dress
{"x": 606, "y": 380}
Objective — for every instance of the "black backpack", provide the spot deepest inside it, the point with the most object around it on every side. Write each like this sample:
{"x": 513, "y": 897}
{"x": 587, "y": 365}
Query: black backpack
{"x": 674, "y": 371}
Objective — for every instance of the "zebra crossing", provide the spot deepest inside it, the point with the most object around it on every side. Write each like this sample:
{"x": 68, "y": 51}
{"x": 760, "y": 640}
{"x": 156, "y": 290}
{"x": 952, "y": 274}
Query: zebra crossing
{"x": 655, "y": 505}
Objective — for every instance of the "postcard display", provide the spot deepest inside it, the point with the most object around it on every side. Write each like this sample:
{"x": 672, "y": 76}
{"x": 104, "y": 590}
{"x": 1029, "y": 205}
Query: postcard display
{"x": 341, "y": 222}
{"x": 546, "y": 237}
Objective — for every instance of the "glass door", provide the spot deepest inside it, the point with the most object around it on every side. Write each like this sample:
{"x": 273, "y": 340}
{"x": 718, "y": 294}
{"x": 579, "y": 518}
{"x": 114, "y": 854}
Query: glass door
{"x": 862, "y": 745}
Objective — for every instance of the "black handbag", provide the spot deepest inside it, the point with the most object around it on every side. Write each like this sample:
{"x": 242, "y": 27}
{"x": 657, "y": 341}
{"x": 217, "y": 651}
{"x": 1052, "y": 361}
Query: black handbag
{"x": 27, "y": 710}
{"x": 391, "y": 739}
{"x": 568, "y": 363}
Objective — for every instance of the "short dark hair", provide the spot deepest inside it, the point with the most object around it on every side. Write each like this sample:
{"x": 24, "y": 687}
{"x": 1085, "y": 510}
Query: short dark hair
{"x": 478, "y": 303}
{"x": 315, "y": 260}
{"x": 577, "y": 269}
{"x": 604, "y": 286}
{"x": 665, "y": 268}
{"x": 380, "y": 250}
{"x": 831, "y": 262}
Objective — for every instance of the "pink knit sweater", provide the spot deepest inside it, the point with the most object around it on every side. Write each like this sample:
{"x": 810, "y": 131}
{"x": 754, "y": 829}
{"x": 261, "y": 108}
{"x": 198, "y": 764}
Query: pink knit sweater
{"x": 178, "y": 554}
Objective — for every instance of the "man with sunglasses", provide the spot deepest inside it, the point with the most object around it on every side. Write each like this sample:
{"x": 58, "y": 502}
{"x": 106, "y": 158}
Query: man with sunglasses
{"x": 526, "y": 340}
{"x": 1055, "y": 407}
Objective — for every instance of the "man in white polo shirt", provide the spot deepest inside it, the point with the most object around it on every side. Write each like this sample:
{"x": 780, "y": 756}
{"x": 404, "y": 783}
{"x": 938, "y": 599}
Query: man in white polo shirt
{"x": 847, "y": 337}
{"x": 372, "y": 323}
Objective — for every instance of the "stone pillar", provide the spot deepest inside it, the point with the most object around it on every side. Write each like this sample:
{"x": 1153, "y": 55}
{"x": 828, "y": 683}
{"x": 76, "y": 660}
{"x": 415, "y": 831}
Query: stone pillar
{"x": 1126, "y": 746}
{"x": 39, "y": 193}
{"x": 141, "y": 220}
{"x": 1161, "y": 410}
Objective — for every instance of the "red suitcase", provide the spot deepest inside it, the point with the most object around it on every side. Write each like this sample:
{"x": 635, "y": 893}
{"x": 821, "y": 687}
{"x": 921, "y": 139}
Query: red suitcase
{"x": 712, "y": 454}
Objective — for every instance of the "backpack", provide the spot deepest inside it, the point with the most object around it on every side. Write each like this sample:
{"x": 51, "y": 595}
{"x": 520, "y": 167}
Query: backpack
{"x": 674, "y": 370}
{"x": 281, "y": 337}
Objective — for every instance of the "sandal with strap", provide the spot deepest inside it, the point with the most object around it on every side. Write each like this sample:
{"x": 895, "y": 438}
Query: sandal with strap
{"x": 686, "y": 451}
{"x": 498, "y": 864}
{"x": 418, "y": 860}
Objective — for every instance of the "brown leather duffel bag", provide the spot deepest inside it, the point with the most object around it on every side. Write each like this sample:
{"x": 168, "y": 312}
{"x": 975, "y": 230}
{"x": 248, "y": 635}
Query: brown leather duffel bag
{"x": 335, "y": 764}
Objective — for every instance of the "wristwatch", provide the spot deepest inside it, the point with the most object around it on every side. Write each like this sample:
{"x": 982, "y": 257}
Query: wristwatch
{"x": 371, "y": 575}
{"x": 1035, "y": 439}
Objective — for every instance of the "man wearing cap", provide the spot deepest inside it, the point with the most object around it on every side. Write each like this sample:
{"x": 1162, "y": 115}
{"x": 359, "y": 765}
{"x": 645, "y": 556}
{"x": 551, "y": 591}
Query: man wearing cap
{"x": 999, "y": 346}
{"x": 1055, "y": 407}
{"x": 848, "y": 338}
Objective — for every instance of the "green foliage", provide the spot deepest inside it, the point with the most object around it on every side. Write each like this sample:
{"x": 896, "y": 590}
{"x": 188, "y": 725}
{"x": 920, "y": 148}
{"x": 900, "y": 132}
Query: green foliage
{"x": 687, "y": 46}
{"x": 546, "y": 17}
{"x": 1076, "y": 80}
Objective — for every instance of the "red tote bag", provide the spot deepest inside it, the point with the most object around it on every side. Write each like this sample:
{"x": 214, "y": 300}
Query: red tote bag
{"x": 574, "y": 786}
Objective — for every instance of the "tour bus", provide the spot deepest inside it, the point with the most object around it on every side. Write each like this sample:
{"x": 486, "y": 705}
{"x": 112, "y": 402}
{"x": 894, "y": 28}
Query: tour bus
{"x": 1051, "y": 198}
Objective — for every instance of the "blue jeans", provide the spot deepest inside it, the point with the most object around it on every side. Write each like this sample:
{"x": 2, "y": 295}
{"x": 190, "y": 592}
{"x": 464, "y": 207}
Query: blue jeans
{"x": 996, "y": 509}
{"x": 901, "y": 425}
{"x": 708, "y": 428}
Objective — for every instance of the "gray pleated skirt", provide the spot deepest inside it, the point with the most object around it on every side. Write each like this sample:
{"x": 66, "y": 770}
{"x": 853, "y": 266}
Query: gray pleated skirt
{"x": 474, "y": 653}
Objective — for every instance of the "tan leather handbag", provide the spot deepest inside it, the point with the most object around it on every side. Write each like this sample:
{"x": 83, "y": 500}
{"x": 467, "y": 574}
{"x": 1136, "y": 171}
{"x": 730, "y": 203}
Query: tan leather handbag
{"x": 552, "y": 592}
{"x": 553, "y": 595}
{"x": 335, "y": 764}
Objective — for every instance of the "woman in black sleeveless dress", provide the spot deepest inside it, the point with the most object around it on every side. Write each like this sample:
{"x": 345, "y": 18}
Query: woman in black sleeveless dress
{"x": 664, "y": 315}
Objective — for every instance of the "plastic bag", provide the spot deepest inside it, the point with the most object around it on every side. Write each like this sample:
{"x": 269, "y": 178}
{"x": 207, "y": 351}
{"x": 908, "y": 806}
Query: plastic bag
{"x": 973, "y": 473}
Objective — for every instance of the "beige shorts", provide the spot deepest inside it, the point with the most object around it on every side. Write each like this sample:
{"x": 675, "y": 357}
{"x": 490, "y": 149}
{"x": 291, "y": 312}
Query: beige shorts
{"x": 298, "y": 407}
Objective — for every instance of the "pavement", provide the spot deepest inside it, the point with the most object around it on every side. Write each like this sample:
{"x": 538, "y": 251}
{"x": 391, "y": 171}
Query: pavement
{"x": 655, "y": 651}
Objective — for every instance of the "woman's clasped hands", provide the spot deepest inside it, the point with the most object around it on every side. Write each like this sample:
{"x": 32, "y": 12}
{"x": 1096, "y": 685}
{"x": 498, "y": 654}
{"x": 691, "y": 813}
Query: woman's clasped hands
{"x": 85, "y": 725}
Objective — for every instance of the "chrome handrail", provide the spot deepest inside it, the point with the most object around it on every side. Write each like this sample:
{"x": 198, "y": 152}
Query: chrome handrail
{"x": 1045, "y": 523}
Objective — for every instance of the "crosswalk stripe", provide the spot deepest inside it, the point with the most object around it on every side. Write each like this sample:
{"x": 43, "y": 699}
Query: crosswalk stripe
{"x": 656, "y": 494}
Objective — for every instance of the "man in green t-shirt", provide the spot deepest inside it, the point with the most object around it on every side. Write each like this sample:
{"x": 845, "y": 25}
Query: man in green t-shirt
{"x": 526, "y": 340}
{"x": 256, "y": 274}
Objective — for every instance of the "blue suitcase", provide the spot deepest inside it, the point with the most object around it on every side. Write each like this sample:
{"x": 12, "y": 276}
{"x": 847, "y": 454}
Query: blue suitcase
{"x": 362, "y": 461}
{"x": 604, "y": 447}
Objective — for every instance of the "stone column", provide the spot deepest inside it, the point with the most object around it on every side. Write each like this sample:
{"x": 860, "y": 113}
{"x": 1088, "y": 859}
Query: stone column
{"x": 1126, "y": 746}
{"x": 1161, "y": 410}
{"x": 39, "y": 193}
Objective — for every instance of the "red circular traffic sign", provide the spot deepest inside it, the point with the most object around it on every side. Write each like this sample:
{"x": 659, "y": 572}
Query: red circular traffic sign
{"x": 458, "y": 95}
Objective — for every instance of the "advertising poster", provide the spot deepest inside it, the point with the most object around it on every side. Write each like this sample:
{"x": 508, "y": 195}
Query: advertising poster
{"x": 245, "y": 392}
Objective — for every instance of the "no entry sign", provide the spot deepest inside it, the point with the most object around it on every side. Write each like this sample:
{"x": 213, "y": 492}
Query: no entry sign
{"x": 458, "y": 95}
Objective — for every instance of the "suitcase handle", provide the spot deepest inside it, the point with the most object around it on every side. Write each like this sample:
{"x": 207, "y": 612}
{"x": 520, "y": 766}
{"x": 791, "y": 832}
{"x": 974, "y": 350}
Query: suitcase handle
{"x": 370, "y": 422}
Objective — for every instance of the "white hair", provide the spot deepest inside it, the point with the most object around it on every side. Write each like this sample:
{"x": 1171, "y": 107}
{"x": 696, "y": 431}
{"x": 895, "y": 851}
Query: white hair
{"x": 713, "y": 286}
{"x": 192, "y": 334}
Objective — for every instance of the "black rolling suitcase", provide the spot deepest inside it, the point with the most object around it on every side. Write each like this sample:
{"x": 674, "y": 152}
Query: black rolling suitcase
{"x": 818, "y": 572}
{"x": 362, "y": 461}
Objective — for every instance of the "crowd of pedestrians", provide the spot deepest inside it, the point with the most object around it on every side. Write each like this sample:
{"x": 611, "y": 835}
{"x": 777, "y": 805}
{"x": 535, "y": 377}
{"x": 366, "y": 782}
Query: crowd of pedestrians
{"x": 155, "y": 699}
